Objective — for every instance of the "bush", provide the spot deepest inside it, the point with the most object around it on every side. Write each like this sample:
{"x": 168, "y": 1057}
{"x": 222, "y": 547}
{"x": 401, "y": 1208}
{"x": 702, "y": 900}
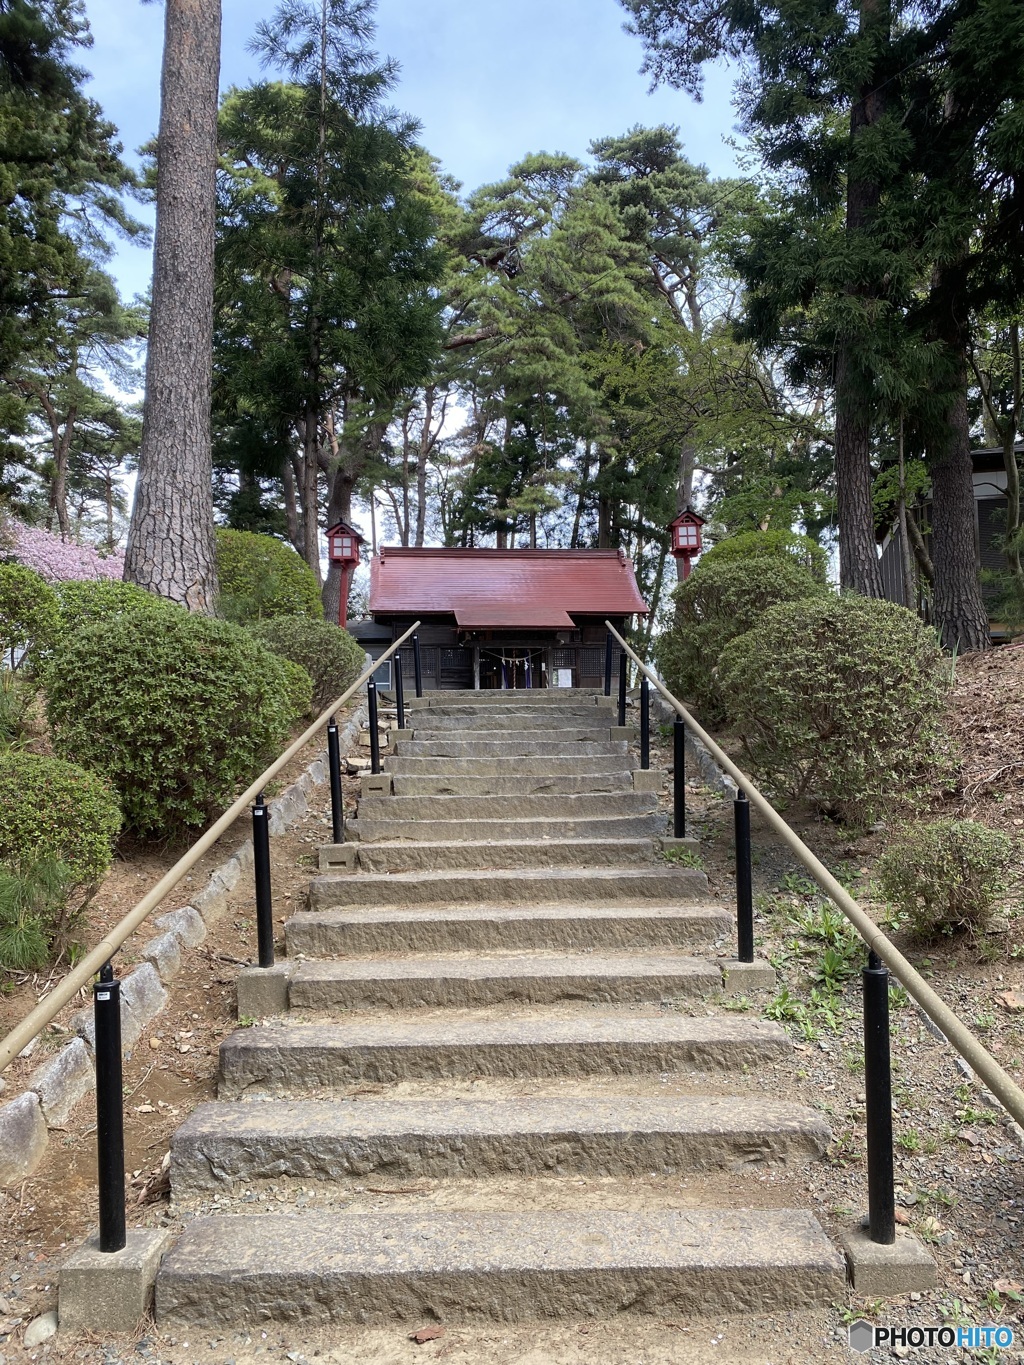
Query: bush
{"x": 786, "y": 545}
{"x": 28, "y": 614}
{"x": 839, "y": 700}
{"x": 175, "y": 709}
{"x": 299, "y": 688}
{"x": 331, "y": 657}
{"x": 35, "y": 919}
{"x": 260, "y": 577}
{"x": 81, "y": 602}
{"x": 52, "y": 809}
{"x": 720, "y": 600}
{"x": 945, "y": 875}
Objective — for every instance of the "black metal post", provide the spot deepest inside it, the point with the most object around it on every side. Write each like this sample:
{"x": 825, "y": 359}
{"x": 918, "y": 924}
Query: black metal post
{"x": 334, "y": 767}
{"x": 261, "y": 871}
{"x": 645, "y": 722}
{"x": 608, "y": 665}
{"x": 417, "y": 664}
{"x": 371, "y": 700}
{"x": 623, "y": 665}
{"x": 109, "y": 1110}
{"x": 679, "y": 778}
{"x": 878, "y": 1093}
{"x": 399, "y": 692}
{"x": 744, "y": 880}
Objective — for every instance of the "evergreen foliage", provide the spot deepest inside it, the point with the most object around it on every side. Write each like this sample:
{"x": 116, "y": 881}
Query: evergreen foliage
{"x": 261, "y": 576}
{"x": 329, "y": 655}
{"x": 945, "y": 876}
{"x": 29, "y": 615}
{"x": 56, "y": 810}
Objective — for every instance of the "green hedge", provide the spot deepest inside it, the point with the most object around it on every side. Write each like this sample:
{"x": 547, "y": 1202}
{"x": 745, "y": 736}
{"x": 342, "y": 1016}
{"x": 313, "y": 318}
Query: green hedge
{"x": 787, "y": 545}
{"x": 29, "y": 618}
{"x": 260, "y": 577}
{"x": 82, "y": 602}
{"x": 945, "y": 875}
{"x": 55, "y": 810}
{"x": 176, "y": 710}
{"x": 839, "y": 700}
{"x": 331, "y": 657}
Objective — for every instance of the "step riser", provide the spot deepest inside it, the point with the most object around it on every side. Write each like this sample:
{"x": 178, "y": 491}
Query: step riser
{"x": 564, "y": 765}
{"x": 327, "y": 996}
{"x": 455, "y": 831}
{"x": 223, "y": 1146}
{"x": 478, "y": 722}
{"x": 572, "y": 744}
{"x": 410, "y": 857}
{"x": 598, "y": 806}
{"x": 676, "y": 886}
{"x": 249, "y": 1067}
{"x": 309, "y": 936}
{"x": 569, "y": 697}
{"x": 513, "y": 782}
{"x": 320, "y": 1270}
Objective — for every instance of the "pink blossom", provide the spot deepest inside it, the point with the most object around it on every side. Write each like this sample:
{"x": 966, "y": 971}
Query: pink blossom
{"x": 59, "y": 561}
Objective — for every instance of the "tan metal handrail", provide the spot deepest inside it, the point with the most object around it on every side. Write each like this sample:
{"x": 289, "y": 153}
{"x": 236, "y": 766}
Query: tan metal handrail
{"x": 1001, "y": 1084}
{"x": 51, "y": 1005}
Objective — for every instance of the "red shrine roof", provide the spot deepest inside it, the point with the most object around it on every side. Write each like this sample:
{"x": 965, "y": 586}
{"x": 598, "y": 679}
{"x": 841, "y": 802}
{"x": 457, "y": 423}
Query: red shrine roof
{"x": 487, "y": 588}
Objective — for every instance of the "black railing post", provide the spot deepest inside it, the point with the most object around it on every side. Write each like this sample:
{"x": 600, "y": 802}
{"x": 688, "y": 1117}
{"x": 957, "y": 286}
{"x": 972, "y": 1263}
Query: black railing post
{"x": 744, "y": 880}
{"x": 261, "y": 872}
{"x": 623, "y": 666}
{"x": 399, "y": 691}
{"x": 371, "y": 700}
{"x": 109, "y": 1110}
{"x": 334, "y": 768}
{"x": 878, "y": 1094}
{"x": 645, "y": 722}
{"x": 608, "y": 665}
{"x": 679, "y": 778}
{"x": 417, "y": 665}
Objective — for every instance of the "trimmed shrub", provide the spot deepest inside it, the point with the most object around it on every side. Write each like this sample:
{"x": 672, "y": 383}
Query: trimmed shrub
{"x": 55, "y": 810}
{"x": 722, "y": 599}
{"x": 839, "y": 700}
{"x": 81, "y": 602}
{"x": 946, "y": 875}
{"x": 260, "y": 577}
{"x": 299, "y": 687}
{"x": 28, "y": 614}
{"x": 331, "y": 657}
{"x": 749, "y": 545}
{"x": 175, "y": 709}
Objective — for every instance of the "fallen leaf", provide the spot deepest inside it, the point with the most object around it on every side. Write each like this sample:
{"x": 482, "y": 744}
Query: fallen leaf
{"x": 1011, "y": 1000}
{"x": 426, "y": 1334}
{"x": 1007, "y": 1287}
{"x": 902, "y": 1216}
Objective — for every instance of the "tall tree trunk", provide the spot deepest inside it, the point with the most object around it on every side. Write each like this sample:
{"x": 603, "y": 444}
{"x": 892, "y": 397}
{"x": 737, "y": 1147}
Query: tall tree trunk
{"x": 426, "y": 441}
{"x": 170, "y": 546}
{"x": 959, "y": 610}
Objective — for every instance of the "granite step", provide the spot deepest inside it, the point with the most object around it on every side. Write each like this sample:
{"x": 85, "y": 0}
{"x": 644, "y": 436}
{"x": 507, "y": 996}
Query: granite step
{"x": 315, "y": 1058}
{"x": 502, "y": 744}
{"x": 498, "y": 699}
{"x": 494, "y": 765}
{"x": 223, "y": 1146}
{"x": 374, "y": 830}
{"x": 568, "y": 806}
{"x": 453, "y": 982}
{"x": 478, "y": 720}
{"x": 507, "y": 854}
{"x": 512, "y": 781}
{"x": 661, "y": 885}
{"x": 234, "y": 1272}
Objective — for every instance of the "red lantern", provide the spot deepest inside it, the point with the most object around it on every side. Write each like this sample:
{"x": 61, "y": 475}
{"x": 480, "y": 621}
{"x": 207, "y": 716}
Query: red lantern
{"x": 343, "y": 546}
{"x": 686, "y": 538}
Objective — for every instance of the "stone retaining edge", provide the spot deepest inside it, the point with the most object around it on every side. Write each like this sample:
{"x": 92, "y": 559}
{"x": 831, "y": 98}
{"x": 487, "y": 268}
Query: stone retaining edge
{"x": 59, "y": 1083}
{"x": 713, "y": 776}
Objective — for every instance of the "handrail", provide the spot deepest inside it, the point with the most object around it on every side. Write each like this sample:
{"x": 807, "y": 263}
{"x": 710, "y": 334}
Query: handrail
{"x": 1001, "y": 1084}
{"x": 51, "y": 1005}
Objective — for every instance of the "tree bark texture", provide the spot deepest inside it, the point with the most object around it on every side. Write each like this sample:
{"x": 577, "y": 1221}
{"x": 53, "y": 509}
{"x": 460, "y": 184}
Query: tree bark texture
{"x": 958, "y": 607}
{"x": 170, "y": 546}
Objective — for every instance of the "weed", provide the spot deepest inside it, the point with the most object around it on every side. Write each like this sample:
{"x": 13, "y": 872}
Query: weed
{"x": 245, "y": 1021}
{"x": 737, "y": 1003}
{"x": 853, "y": 1060}
{"x": 909, "y": 1140}
{"x": 797, "y": 884}
{"x": 899, "y": 998}
{"x": 685, "y": 857}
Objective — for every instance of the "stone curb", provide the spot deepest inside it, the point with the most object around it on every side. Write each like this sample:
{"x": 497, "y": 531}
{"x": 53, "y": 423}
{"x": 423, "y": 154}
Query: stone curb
{"x": 712, "y": 775}
{"x": 56, "y": 1086}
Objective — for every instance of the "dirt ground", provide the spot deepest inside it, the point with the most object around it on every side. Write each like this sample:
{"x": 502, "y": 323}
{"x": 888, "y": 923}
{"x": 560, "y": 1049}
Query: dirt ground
{"x": 960, "y": 1164}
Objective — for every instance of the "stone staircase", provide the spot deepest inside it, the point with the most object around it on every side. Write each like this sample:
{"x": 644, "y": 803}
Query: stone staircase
{"x": 515, "y": 998}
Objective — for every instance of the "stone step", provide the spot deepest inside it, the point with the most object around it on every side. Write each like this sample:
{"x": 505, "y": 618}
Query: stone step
{"x": 510, "y": 853}
{"x": 332, "y": 933}
{"x": 282, "y": 1059}
{"x": 531, "y": 743}
{"x": 453, "y": 982}
{"x": 223, "y": 1145}
{"x": 511, "y": 781}
{"x": 477, "y": 720}
{"x": 662, "y": 885}
{"x": 234, "y": 1272}
{"x": 378, "y": 830}
{"x": 591, "y": 805}
{"x": 497, "y": 698}
{"x": 552, "y": 765}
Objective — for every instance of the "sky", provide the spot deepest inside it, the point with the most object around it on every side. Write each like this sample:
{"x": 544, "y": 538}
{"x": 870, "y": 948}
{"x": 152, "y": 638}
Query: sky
{"x": 488, "y": 80}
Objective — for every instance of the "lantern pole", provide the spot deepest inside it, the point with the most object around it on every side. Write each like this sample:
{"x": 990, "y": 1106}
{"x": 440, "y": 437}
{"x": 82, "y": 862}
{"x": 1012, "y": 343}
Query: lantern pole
{"x": 343, "y": 599}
